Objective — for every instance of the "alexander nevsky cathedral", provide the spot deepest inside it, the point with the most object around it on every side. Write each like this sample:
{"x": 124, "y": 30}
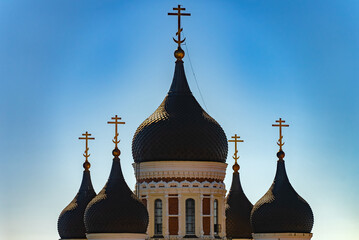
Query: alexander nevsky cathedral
{"x": 179, "y": 155}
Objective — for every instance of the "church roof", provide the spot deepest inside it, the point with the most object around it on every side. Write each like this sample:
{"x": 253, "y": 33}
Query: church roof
{"x": 281, "y": 209}
{"x": 71, "y": 221}
{"x": 179, "y": 129}
{"x": 238, "y": 211}
{"x": 116, "y": 209}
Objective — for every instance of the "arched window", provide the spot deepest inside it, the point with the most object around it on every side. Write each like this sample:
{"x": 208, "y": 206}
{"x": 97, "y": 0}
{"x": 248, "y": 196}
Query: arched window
{"x": 215, "y": 217}
{"x": 190, "y": 217}
{"x": 158, "y": 217}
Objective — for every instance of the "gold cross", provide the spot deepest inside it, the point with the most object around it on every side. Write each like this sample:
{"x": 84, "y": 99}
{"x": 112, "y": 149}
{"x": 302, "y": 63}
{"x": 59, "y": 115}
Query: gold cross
{"x": 280, "y": 125}
{"x": 236, "y": 140}
{"x": 179, "y": 14}
{"x": 116, "y": 122}
{"x": 87, "y": 137}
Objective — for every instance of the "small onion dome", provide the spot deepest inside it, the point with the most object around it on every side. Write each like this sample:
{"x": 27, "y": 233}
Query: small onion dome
{"x": 71, "y": 221}
{"x": 179, "y": 129}
{"x": 281, "y": 209}
{"x": 238, "y": 211}
{"x": 116, "y": 209}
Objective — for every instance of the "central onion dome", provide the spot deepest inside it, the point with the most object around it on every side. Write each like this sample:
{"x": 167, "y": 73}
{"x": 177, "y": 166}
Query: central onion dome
{"x": 179, "y": 129}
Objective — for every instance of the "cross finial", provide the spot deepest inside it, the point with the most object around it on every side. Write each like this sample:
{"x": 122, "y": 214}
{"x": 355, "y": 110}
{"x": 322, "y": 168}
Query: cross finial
{"x": 280, "y": 125}
{"x": 86, "y": 137}
{"x": 179, "y": 14}
{"x": 116, "y": 122}
{"x": 236, "y": 139}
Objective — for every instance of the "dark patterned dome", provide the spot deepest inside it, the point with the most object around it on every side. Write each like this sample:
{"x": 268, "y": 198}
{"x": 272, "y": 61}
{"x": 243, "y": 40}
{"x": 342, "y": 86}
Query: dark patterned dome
{"x": 238, "y": 211}
{"x": 71, "y": 221}
{"x": 281, "y": 209}
{"x": 179, "y": 129}
{"x": 116, "y": 209}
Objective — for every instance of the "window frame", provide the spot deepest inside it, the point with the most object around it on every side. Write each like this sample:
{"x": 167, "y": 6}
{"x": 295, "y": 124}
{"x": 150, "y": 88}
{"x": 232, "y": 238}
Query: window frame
{"x": 190, "y": 216}
{"x": 158, "y": 217}
{"x": 215, "y": 217}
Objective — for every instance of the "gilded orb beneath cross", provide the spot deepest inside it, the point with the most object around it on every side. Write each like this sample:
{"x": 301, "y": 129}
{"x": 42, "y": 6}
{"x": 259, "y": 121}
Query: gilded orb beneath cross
{"x": 179, "y": 53}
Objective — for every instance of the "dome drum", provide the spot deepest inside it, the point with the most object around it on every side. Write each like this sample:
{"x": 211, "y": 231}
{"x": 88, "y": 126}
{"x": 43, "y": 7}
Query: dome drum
{"x": 194, "y": 170}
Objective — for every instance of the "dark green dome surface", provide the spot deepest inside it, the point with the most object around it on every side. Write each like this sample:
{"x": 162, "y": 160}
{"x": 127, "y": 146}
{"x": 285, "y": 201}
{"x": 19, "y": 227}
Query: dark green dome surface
{"x": 281, "y": 209}
{"x": 179, "y": 129}
{"x": 116, "y": 209}
{"x": 71, "y": 221}
{"x": 238, "y": 211}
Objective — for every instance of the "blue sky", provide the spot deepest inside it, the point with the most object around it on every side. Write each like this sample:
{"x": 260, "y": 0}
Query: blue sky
{"x": 67, "y": 67}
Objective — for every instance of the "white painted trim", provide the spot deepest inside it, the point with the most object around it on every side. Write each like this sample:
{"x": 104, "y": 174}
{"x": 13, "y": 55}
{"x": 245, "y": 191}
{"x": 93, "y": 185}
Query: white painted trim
{"x": 282, "y": 236}
{"x": 116, "y": 236}
{"x": 187, "y": 169}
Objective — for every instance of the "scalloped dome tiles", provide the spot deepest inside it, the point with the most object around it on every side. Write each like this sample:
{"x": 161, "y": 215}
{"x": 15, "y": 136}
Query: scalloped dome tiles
{"x": 179, "y": 129}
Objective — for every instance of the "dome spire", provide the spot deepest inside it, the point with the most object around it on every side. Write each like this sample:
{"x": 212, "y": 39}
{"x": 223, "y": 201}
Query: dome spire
{"x": 238, "y": 207}
{"x": 179, "y": 130}
{"x": 235, "y": 156}
{"x": 70, "y": 224}
{"x": 281, "y": 210}
{"x": 179, "y": 53}
{"x": 116, "y": 210}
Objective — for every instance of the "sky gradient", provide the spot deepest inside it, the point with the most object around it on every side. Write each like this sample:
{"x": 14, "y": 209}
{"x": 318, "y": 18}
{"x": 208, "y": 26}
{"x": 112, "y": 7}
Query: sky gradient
{"x": 67, "y": 67}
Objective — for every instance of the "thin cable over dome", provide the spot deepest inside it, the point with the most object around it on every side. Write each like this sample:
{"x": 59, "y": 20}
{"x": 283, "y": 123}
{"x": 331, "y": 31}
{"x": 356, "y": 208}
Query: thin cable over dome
{"x": 179, "y": 129}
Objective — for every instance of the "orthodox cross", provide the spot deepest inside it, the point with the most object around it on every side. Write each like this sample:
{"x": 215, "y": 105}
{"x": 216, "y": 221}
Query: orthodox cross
{"x": 179, "y": 14}
{"x": 87, "y": 137}
{"x": 280, "y": 125}
{"x": 236, "y": 140}
{"x": 116, "y": 122}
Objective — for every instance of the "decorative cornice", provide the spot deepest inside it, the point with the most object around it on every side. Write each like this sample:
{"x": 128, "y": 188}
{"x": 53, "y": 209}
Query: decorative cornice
{"x": 178, "y": 179}
{"x": 184, "y": 187}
